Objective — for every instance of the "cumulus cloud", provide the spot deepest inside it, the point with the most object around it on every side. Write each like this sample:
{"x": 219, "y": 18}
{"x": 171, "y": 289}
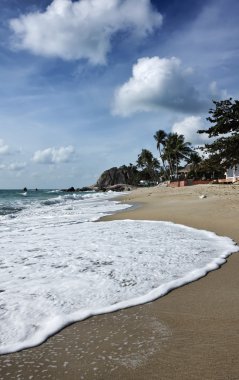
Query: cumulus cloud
{"x": 82, "y": 29}
{"x": 17, "y": 166}
{"x": 4, "y": 148}
{"x": 217, "y": 93}
{"x": 157, "y": 82}
{"x": 189, "y": 127}
{"x": 54, "y": 155}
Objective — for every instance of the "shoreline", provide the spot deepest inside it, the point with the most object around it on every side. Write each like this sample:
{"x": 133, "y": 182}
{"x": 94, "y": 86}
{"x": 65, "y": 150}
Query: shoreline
{"x": 191, "y": 333}
{"x": 183, "y": 206}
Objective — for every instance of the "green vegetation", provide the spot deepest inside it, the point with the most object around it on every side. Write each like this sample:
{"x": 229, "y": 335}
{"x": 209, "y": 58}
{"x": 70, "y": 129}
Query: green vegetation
{"x": 223, "y": 151}
{"x": 172, "y": 150}
{"x": 149, "y": 166}
{"x": 178, "y": 159}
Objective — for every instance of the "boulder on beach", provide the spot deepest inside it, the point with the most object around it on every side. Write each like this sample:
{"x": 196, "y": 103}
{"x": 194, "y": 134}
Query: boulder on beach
{"x": 115, "y": 177}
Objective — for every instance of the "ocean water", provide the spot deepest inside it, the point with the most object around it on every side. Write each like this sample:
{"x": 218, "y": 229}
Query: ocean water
{"x": 58, "y": 266}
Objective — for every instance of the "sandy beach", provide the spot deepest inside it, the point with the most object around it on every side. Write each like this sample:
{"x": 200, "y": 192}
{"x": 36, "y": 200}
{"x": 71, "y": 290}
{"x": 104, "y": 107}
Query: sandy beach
{"x": 191, "y": 333}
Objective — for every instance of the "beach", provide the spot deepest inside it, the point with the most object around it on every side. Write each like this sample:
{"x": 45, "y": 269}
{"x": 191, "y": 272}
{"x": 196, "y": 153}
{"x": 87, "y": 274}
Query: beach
{"x": 191, "y": 333}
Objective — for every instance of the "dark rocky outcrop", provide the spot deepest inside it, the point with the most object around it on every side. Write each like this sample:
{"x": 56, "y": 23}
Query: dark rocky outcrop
{"x": 116, "y": 176}
{"x": 80, "y": 189}
{"x": 120, "y": 187}
{"x": 69, "y": 190}
{"x": 124, "y": 178}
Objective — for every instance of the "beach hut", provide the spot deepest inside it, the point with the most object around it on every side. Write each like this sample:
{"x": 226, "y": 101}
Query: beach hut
{"x": 183, "y": 172}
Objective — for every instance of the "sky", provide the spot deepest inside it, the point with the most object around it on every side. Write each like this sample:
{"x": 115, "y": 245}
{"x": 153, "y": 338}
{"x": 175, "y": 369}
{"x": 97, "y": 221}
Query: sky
{"x": 85, "y": 84}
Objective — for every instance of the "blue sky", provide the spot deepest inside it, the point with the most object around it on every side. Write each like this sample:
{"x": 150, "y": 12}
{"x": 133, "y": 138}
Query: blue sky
{"x": 86, "y": 84}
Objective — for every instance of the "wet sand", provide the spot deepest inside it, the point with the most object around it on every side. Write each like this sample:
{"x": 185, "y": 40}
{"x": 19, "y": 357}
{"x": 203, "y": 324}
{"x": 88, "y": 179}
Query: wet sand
{"x": 191, "y": 333}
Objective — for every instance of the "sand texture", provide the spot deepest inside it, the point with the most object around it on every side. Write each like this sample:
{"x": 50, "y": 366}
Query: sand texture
{"x": 191, "y": 333}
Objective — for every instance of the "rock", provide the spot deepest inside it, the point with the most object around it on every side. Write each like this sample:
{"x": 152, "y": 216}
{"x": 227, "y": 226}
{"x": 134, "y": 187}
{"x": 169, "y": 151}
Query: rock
{"x": 70, "y": 190}
{"x": 202, "y": 196}
{"x": 119, "y": 187}
{"x": 85, "y": 188}
{"x": 115, "y": 176}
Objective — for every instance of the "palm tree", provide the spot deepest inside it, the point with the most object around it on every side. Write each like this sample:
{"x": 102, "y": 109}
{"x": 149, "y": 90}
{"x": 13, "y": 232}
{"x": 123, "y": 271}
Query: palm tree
{"x": 175, "y": 150}
{"x": 160, "y": 137}
{"x": 148, "y": 163}
{"x": 195, "y": 162}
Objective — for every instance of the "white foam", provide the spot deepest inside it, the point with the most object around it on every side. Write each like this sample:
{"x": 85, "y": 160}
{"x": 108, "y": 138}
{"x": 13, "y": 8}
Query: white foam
{"x": 56, "y": 270}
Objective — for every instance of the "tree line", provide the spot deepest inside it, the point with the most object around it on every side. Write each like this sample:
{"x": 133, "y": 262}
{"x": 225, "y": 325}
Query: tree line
{"x": 208, "y": 161}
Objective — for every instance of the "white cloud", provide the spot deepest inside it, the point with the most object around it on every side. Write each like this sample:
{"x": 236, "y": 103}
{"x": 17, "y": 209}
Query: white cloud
{"x": 189, "y": 127}
{"x": 4, "y": 148}
{"x": 217, "y": 93}
{"x": 82, "y": 29}
{"x": 157, "y": 82}
{"x": 54, "y": 155}
{"x": 17, "y": 166}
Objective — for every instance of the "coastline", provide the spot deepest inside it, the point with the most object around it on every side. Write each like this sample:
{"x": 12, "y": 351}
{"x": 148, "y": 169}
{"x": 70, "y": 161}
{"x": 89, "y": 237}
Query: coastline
{"x": 191, "y": 333}
{"x": 214, "y": 213}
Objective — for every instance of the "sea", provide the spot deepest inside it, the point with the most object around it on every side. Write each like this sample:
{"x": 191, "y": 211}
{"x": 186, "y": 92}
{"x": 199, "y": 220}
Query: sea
{"x": 59, "y": 264}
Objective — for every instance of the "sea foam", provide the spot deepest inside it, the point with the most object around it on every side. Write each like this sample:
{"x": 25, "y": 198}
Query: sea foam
{"x": 56, "y": 268}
